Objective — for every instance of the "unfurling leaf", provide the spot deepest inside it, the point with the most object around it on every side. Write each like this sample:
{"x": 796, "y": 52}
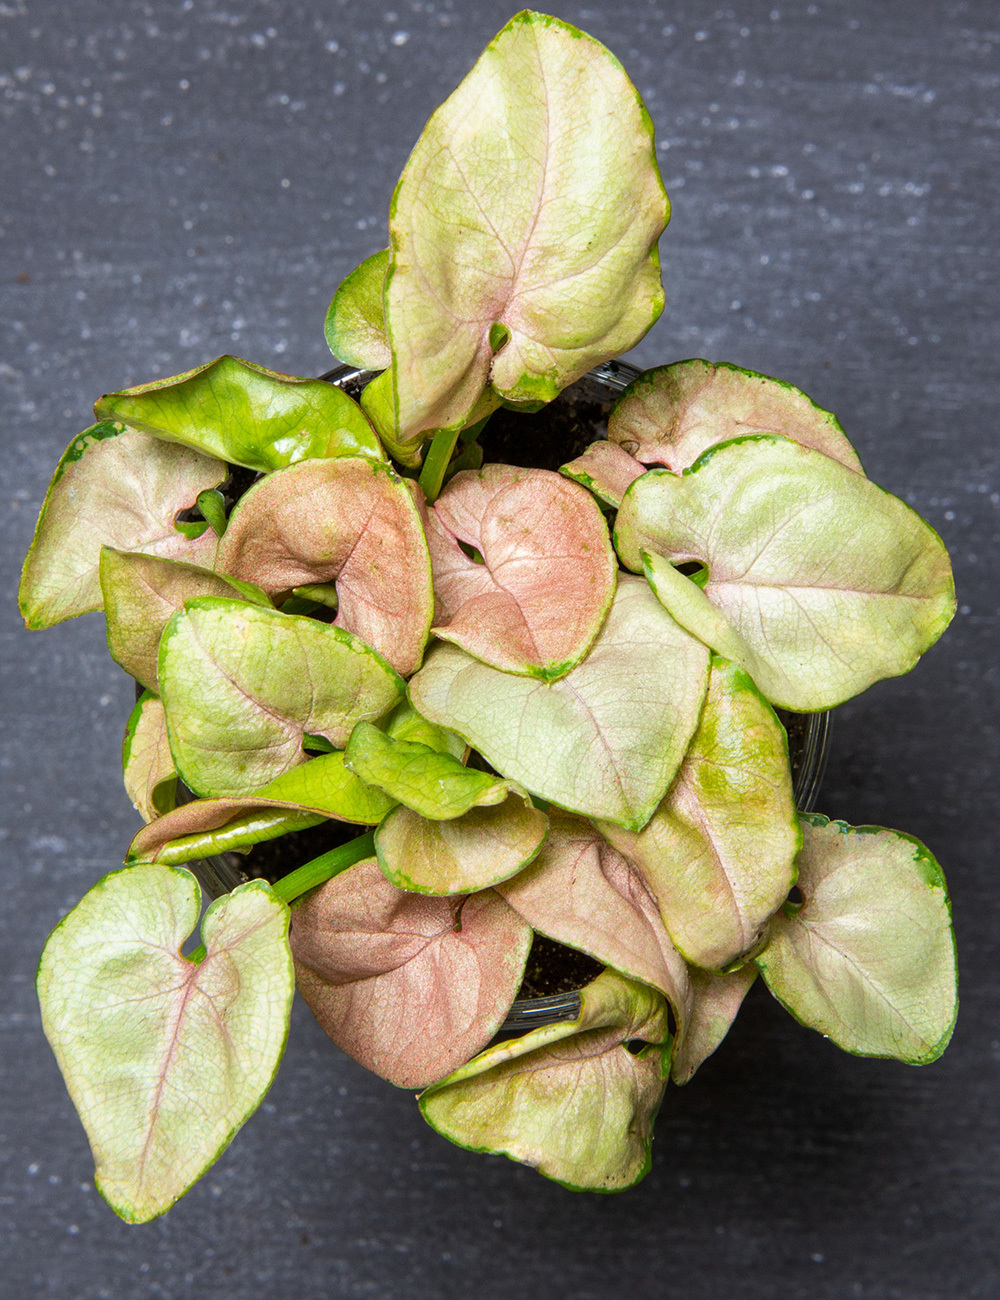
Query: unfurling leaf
{"x": 570, "y": 1100}
{"x": 113, "y": 487}
{"x": 827, "y": 582}
{"x": 347, "y": 520}
{"x": 355, "y": 323}
{"x": 474, "y": 851}
{"x": 606, "y": 470}
{"x": 147, "y": 764}
{"x": 405, "y": 723}
{"x": 719, "y": 852}
{"x": 869, "y": 958}
{"x": 537, "y": 600}
{"x": 246, "y": 415}
{"x": 303, "y": 797}
{"x": 141, "y": 595}
{"x": 715, "y": 1000}
{"x": 410, "y": 986}
{"x": 606, "y": 739}
{"x": 670, "y": 415}
{"x": 164, "y": 1058}
{"x": 532, "y": 202}
{"x": 581, "y": 892}
{"x": 242, "y": 685}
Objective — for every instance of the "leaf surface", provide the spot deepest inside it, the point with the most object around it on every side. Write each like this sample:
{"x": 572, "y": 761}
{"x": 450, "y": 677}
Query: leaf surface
{"x": 570, "y": 1099}
{"x": 529, "y": 209}
{"x": 147, "y": 764}
{"x": 349, "y": 521}
{"x": 719, "y": 852}
{"x": 869, "y": 958}
{"x": 241, "y": 686}
{"x": 246, "y": 415}
{"x": 165, "y": 1059}
{"x": 606, "y": 739}
{"x": 606, "y": 470}
{"x": 355, "y": 323}
{"x": 537, "y": 601}
{"x": 670, "y": 415}
{"x": 828, "y": 582}
{"x": 715, "y": 1001}
{"x": 407, "y": 985}
{"x": 113, "y": 487}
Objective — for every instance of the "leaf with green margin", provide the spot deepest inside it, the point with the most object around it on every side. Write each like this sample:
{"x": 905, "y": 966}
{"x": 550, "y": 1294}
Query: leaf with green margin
{"x": 246, "y": 415}
{"x": 719, "y": 852}
{"x": 531, "y": 201}
{"x": 606, "y": 739}
{"x": 351, "y": 521}
{"x": 479, "y": 849}
{"x": 570, "y": 1100}
{"x": 605, "y": 470}
{"x": 670, "y": 415}
{"x": 581, "y": 892}
{"x": 377, "y": 404}
{"x": 868, "y": 960}
{"x": 355, "y": 323}
{"x": 715, "y": 999}
{"x": 165, "y": 1059}
{"x": 830, "y": 581}
{"x": 242, "y": 684}
{"x": 407, "y": 985}
{"x": 143, "y": 592}
{"x": 303, "y": 797}
{"x": 547, "y": 578}
{"x": 113, "y": 487}
{"x": 147, "y": 764}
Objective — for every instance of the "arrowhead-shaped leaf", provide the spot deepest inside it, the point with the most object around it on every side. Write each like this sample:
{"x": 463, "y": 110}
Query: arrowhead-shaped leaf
{"x": 828, "y": 582}
{"x": 670, "y": 415}
{"x": 715, "y": 1000}
{"x": 355, "y": 323}
{"x": 869, "y": 958}
{"x": 537, "y": 601}
{"x": 164, "y": 1058}
{"x": 719, "y": 852}
{"x": 606, "y": 739}
{"x": 474, "y": 851}
{"x": 242, "y": 685}
{"x": 408, "y": 985}
{"x": 606, "y": 470}
{"x": 246, "y": 415}
{"x": 581, "y": 892}
{"x": 303, "y": 797}
{"x": 348, "y": 520}
{"x": 113, "y": 487}
{"x": 528, "y": 212}
{"x": 141, "y": 595}
{"x": 570, "y": 1099}
{"x": 147, "y": 764}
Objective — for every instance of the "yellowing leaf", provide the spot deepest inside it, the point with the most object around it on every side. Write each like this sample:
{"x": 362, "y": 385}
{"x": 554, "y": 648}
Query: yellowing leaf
{"x": 715, "y": 1000}
{"x": 147, "y": 765}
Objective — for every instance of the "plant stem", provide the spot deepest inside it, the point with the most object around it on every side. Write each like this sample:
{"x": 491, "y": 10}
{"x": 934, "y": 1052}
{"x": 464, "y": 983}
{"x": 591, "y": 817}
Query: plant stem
{"x": 436, "y": 462}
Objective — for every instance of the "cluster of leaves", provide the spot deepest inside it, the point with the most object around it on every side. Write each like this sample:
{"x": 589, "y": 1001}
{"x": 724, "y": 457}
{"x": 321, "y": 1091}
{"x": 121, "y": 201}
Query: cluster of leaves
{"x": 545, "y": 699}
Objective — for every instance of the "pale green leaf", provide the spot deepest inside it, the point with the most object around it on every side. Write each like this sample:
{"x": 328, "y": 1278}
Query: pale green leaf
{"x": 147, "y": 764}
{"x": 606, "y": 470}
{"x": 570, "y": 1099}
{"x": 405, "y": 723}
{"x": 606, "y": 739}
{"x": 242, "y": 684}
{"x": 141, "y": 595}
{"x": 113, "y": 487}
{"x": 532, "y": 202}
{"x": 355, "y": 323}
{"x": 869, "y": 958}
{"x": 165, "y": 1059}
{"x": 827, "y": 582}
{"x": 715, "y": 1000}
{"x": 670, "y": 415}
{"x": 719, "y": 852}
{"x": 246, "y": 415}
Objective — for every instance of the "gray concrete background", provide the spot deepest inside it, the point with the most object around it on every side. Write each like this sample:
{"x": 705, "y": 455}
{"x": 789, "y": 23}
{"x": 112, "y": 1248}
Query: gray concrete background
{"x": 186, "y": 178}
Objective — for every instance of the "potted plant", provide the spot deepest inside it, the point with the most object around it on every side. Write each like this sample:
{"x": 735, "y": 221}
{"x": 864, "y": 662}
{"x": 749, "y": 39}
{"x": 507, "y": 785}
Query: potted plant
{"x": 531, "y": 712}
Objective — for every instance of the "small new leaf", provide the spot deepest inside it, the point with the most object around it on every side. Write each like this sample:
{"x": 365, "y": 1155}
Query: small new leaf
{"x": 355, "y": 323}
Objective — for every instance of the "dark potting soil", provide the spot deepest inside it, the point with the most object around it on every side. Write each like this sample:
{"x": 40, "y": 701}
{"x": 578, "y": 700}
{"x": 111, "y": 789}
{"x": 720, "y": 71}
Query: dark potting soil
{"x": 553, "y": 968}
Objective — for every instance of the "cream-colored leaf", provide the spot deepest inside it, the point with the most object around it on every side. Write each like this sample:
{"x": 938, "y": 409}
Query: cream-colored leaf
{"x": 715, "y": 1000}
{"x": 147, "y": 764}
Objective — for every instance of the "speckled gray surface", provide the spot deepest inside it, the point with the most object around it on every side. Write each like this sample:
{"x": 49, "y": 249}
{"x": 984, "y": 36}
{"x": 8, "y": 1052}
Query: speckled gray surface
{"x": 183, "y": 179}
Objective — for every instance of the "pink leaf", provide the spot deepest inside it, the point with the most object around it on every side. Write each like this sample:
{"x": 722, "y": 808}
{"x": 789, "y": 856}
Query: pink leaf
{"x": 606, "y": 470}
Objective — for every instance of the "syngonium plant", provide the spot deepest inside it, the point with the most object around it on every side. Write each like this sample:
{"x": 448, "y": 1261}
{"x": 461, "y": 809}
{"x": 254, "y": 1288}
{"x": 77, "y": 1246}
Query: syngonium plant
{"x": 546, "y": 701}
